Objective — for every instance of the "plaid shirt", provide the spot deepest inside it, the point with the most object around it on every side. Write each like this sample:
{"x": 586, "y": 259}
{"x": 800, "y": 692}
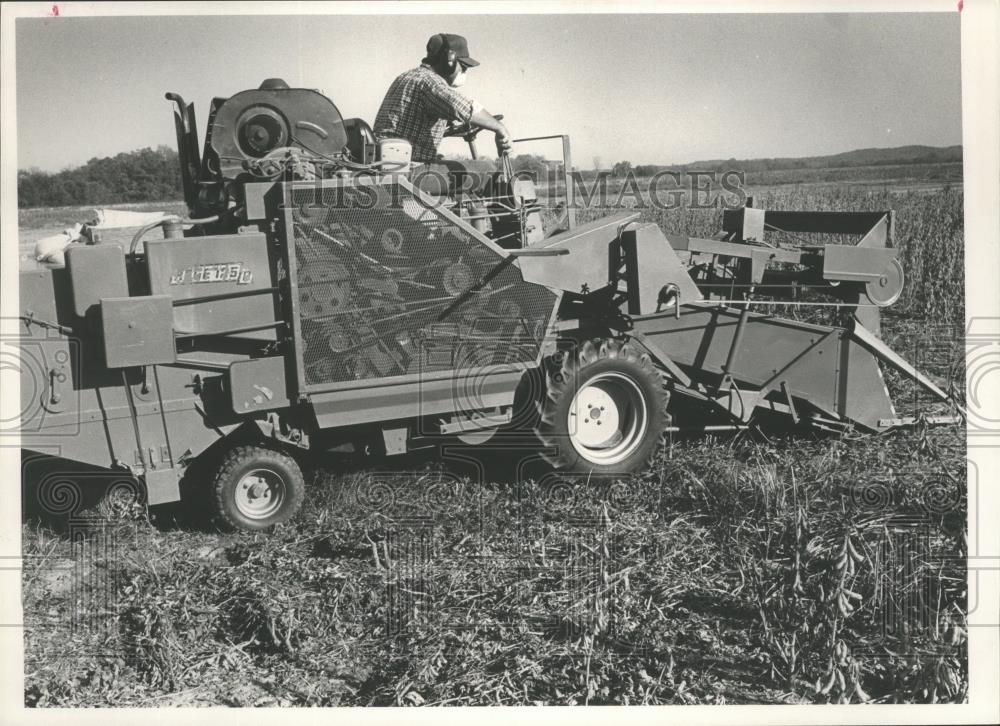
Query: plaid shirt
{"x": 418, "y": 107}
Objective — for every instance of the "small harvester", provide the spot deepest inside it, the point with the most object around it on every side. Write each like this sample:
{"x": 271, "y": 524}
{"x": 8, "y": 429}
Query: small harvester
{"x": 322, "y": 293}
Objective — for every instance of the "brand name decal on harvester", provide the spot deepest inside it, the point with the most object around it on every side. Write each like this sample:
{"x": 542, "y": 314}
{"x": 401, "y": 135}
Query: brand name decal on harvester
{"x": 214, "y": 272}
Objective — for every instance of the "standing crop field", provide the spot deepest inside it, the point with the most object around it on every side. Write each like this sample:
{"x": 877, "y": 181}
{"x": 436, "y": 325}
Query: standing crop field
{"x": 741, "y": 568}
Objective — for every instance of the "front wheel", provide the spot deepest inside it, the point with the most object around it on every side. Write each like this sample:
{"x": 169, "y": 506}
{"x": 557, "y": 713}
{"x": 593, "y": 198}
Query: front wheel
{"x": 257, "y": 488}
{"x": 604, "y": 409}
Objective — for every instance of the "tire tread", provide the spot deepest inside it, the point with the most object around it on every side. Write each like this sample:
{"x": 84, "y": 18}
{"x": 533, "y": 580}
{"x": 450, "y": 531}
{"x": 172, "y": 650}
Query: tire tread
{"x": 240, "y": 456}
{"x": 561, "y": 374}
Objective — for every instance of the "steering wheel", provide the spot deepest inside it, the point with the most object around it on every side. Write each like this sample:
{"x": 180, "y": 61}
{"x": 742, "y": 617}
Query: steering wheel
{"x": 468, "y": 130}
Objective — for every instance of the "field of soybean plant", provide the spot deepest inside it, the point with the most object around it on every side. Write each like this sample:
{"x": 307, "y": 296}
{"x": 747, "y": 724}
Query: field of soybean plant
{"x": 757, "y": 567}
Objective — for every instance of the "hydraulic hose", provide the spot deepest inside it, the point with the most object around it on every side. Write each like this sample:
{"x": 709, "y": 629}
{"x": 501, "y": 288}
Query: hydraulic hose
{"x": 170, "y": 218}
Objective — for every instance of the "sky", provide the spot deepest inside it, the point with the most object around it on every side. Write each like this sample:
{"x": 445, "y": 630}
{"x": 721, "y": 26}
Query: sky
{"x": 670, "y": 88}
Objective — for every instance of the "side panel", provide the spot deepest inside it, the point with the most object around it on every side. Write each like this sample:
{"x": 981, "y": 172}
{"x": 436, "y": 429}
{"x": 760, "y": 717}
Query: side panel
{"x": 585, "y": 268}
{"x": 137, "y": 330}
{"x": 414, "y": 400}
{"x": 192, "y": 267}
{"x": 73, "y": 407}
{"x": 701, "y": 338}
{"x": 95, "y": 424}
{"x": 258, "y": 384}
{"x": 95, "y": 271}
{"x": 836, "y": 374}
{"x": 654, "y": 265}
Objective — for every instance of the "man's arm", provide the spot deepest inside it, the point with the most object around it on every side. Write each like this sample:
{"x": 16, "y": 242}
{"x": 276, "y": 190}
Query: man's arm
{"x": 452, "y": 105}
{"x": 482, "y": 117}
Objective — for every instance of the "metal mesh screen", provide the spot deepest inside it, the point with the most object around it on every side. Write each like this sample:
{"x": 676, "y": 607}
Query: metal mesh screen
{"x": 387, "y": 286}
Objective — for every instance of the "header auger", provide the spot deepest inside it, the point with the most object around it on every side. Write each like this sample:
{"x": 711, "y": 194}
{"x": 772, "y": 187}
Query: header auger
{"x": 323, "y": 294}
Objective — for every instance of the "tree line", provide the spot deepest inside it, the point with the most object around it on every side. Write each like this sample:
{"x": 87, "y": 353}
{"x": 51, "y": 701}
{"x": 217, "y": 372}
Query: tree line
{"x": 144, "y": 175}
{"x": 152, "y": 175}
{"x": 859, "y": 157}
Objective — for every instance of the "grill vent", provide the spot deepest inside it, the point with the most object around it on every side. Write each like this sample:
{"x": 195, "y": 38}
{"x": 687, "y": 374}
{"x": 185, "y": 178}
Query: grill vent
{"x": 387, "y": 286}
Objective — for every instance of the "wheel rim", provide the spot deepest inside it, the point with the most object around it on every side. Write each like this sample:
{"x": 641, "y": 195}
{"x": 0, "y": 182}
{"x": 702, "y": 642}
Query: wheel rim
{"x": 260, "y": 493}
{"x": 608, "y": 418}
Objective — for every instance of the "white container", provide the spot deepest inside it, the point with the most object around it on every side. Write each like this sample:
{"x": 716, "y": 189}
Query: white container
{"x": 395, "y": 155}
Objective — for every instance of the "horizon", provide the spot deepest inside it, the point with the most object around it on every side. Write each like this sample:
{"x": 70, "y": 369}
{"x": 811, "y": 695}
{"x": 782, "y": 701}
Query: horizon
{"x": 788, "y": 86}
{"x": 173, "y": 147}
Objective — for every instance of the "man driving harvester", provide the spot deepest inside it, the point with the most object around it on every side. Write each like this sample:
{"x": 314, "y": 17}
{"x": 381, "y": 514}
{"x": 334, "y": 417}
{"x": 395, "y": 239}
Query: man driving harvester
{"x": 422, "y": 103}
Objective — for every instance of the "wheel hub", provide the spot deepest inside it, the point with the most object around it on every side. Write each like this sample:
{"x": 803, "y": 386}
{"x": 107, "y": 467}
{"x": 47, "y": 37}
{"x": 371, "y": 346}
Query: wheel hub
{"x": 259, "y": 493}
{"x": 608, "y": 418}
{"x": 595, "y": 418}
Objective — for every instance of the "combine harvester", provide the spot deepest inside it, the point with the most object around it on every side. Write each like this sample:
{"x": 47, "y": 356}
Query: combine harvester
{"x": 321, "y": 294}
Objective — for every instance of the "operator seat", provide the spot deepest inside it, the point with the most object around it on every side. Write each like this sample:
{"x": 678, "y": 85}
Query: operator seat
{"x": 360, "y": 140}
{"x": 446, "y": 177}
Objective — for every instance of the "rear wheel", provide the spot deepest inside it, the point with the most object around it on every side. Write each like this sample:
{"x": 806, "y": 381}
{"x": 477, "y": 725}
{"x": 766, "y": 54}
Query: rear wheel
{"x": 257, "y": 488}
{"x": 604, "y": 409}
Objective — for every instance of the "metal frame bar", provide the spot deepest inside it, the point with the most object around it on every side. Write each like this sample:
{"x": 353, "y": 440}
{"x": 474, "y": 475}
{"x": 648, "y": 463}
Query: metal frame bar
{"x": 467, "y": 424}
{"x": 231, "y": 331}
{"x": 727, "y": 367}
{"x": 661, "y": 356}
{"x": 567, "y": 161}
{"x": 682, "y": 243}
{"x": 180, "y": 302}
{"x": 882, "y": 351}
{"x": 913, "y": 420}
{"x": 860, "y": 223}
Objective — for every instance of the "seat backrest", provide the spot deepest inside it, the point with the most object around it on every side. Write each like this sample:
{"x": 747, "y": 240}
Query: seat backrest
{"x": 360, "y": 140}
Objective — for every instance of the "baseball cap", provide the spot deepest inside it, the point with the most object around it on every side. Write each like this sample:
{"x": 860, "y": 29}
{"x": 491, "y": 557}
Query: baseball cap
{"x": 441, "y": 43}
{"x": 273, "y": 84}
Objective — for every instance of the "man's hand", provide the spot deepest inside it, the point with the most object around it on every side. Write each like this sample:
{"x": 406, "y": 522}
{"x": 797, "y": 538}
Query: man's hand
{"x": 482, "y": 117}
{"x": 503, "y": 142}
